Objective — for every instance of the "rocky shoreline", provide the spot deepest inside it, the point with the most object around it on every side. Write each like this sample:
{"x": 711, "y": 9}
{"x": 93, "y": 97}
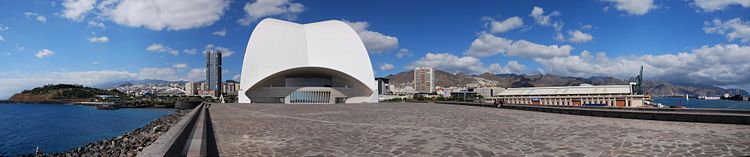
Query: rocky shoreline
{"x": 127, "y": 145}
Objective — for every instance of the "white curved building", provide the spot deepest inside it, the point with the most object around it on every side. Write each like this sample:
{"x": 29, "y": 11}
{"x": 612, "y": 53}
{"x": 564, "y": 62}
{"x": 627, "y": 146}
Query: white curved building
{"x": 322, "y": 62}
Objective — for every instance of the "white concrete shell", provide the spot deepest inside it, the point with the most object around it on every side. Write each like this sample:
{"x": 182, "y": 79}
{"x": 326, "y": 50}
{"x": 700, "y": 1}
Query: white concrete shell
{"x": 277, "y": 49}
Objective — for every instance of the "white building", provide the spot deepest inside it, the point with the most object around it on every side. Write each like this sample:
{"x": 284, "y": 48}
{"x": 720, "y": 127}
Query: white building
{"x": 322, "y": 62}
{"x": 424, "y": 79}
{"x": 607, "y": 95}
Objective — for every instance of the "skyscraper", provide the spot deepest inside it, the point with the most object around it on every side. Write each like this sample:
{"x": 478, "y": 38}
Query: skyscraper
{"x": 213, "y": 71}
{"x": 424, "y": 79}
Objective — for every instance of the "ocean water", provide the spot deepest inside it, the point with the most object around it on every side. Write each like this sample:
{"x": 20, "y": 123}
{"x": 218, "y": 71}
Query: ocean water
{"x": 700, "y": 103}
{"x": 55, "y": 128}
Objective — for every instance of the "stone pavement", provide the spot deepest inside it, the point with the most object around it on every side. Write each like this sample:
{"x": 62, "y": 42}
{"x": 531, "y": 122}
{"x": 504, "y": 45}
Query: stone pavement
{"x": 408, "y": 129}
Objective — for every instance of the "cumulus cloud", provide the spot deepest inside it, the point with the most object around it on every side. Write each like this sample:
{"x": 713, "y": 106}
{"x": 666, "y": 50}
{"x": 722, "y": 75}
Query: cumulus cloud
{"x": 197, "y": 74}
{"x": 158, "y": 73}
{"x": 546, "y": 20}
{"x": 157, "y": 47}
{"x": 375, "y": 42}
{"x": 538, "y": 14}
{"x": 33, "y": 15}
{"x": 2, "y": 39}
{"x": 270, "y": 8}
{"x": 166, "y": 14}
{"x": 579, "y": 37}
{"x": 190, "y": 51}
{"x": 634, "y": 7}
{"x": 44, "y": 53}
{"x": 386, "y": 66}
{"x": 76, "y": 9}
{"x": 734, "y": 29}
{"x": 466, "y": 64}
{"x": 237, "y": 77}
{"x": 403, "y": 53}
{"x": 716, "y": 5}
{"x": 101, "y": 39}
{"x": 225, "y": 52}
{"x": 96, "y": 24}
{"x": 505, "y": 25}
{"x": 718, "y": 65}
{"x": 220, "y": 33}
{"x": 180, "y": 66}
{"x": 487, "y": 45}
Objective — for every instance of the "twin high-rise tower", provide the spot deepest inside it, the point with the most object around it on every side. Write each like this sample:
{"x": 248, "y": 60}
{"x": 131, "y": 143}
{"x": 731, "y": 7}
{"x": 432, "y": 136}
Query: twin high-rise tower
{"x": 213, "y": 71}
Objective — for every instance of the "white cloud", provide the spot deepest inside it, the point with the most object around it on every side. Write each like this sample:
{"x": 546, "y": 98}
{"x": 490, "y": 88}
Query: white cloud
{"x": 403, "y": 53}
{"x": 538, "y": 14}
{"x": 466, "y": 64}
{"x": 487, "y": 44}
{"x": 44, "y": 53}
{"x": 158, "y": 73}
{"x": 579, "y": 37}
{"x": 220, "y": 33}
{"x": 510, "y": 67}
{"x": 76, "y": 9}
{"x": 374, "y": 42}
{"x": 634, "y": 7}
{"x": 156, "y": 47}
{"x": 733, "y": 29}
{"x": 180, "y": 66}
{"x": 164, "y": 14}
{"x": 3, "y": 28}
{"x": 95, "y": 24}
{"x": 2, "y": 39}
{"x": 101, "y": 39}
{"x": 237, "y": 77}
{"x": 505, "y": 25}
{"x": 225, "y": 52}
{"x": 717, "y": 65}
{"x": 386, "y": 66}
{"x": 190, "y": 51}
{"x": 268, "y": 8}
{"x": 36, "y": 16}
{"x": 716, "y": 5}
{"x": 197, "y": 74}
{"x": 546, "y": 20}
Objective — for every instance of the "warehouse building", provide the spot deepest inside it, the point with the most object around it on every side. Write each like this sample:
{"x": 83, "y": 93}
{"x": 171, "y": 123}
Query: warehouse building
{"x": 584, "y": 95}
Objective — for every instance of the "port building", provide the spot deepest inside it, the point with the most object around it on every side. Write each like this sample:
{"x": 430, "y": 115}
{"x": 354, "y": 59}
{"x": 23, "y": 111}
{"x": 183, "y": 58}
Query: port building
{"x": 321, "y": 62}
{"x": 584, "y": 95}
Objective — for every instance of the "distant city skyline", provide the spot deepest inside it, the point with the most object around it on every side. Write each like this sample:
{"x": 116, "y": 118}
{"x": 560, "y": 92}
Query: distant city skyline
{"x": 93, "y": 42}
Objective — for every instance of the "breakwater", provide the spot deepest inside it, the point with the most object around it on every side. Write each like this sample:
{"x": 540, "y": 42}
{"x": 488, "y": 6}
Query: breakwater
{"x": 129, "y": 144}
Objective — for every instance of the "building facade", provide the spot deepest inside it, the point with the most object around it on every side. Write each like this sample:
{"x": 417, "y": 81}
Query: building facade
{"x": 586, "y": 95}
{"x": 424, "y": 79}
{"x": 213, "y": 71}
{"x": 321, "y": 62}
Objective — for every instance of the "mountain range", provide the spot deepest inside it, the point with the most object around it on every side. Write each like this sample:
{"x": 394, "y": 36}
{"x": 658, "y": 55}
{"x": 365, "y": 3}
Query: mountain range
{"x": 652, "y": 87}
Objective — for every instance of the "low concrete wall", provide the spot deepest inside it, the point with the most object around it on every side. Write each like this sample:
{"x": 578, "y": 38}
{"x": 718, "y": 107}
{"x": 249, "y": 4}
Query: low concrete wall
{"x": 683, "y": 115}
{"x": 175, "y": 141}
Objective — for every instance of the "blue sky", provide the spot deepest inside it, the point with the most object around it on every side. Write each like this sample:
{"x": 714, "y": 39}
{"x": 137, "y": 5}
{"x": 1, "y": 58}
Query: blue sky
{"x": 93, "y": 42}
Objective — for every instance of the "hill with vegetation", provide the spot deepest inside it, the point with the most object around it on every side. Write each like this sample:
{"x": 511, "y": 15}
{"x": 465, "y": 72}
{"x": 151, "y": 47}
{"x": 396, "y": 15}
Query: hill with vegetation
{"x": 60, "y": 93}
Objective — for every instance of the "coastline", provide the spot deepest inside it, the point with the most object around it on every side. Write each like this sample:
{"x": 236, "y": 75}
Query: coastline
{"x": 128, "y": 144}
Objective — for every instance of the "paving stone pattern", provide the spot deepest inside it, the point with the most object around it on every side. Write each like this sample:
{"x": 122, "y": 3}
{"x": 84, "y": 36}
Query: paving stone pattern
{"x": 409, "y": 129}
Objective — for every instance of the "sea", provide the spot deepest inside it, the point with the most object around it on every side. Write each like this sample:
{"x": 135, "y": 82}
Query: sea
{"x": 701, "y": 103}
{"x": 58, "y": 127}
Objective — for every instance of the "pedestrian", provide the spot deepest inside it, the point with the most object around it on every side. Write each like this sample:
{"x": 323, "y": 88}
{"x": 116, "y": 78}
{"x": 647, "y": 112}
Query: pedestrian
{"x": 500, "y": 104}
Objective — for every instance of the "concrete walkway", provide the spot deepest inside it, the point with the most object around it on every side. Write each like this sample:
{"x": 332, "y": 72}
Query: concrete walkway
{"x": 406, "y": 129}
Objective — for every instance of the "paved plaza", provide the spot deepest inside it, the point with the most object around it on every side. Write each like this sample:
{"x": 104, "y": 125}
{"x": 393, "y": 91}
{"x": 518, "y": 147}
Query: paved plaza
{"x": 410, "y": 129}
